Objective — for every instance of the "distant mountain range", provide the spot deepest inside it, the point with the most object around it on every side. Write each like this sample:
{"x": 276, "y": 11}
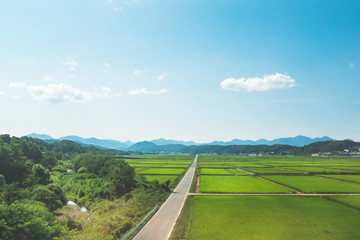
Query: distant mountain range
{"x": 102, "y": 143}
{"x": 159, "y": 144}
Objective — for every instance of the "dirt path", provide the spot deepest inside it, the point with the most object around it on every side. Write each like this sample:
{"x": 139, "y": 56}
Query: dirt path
{"x": 297, "y": 191}
{"x": 197, "y": 184}
{"x": 242, "y": 170}
{"x": 274, "y": 194}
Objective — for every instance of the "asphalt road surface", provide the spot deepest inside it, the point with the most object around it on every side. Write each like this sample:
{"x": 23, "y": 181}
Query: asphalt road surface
{"x": 161, "y": 224}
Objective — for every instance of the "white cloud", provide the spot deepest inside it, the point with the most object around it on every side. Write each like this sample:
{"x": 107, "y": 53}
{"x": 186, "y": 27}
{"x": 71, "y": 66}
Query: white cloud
{"x": 163, "y": 91}
{"x": 107, "y": 65}
{"x": 351, "y": 65}
{"x": 146, "y": 92}
{"x": 55, "y": 93}
{"x": 17, "y": 85}
{"x": 2, "y": 93}
{"x": 267, "y": 82}
{"x": 161, "y": 77}
{"x": 58, "y": 93}
{"x": 110, "y": 1}
{"x": 73, "y": 65}
{"x": 47, "y": 78}
{"x": 103, "y": 92}
{"x": 138, "y": 71}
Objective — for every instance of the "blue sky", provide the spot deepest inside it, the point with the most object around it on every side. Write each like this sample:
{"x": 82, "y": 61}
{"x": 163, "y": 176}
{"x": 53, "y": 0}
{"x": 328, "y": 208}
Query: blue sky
{"x": 187, "y": 70}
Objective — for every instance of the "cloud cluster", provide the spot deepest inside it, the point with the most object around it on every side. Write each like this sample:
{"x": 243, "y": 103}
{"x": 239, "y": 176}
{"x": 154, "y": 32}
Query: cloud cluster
{"x": 267, "y": 82}
{"x": 55, "y": 93}
{"x": 146, "y": 92}
{"x": 59, "y": 93}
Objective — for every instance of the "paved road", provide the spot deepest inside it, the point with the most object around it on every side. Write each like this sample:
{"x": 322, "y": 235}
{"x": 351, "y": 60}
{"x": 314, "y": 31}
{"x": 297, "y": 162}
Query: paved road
{"x": 161, "y": 224}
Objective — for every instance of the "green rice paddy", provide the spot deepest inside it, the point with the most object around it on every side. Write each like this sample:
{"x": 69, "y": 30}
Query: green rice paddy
{"x": 238, "y": 184}
{"x": 315, "y": 184}
{"x": 221, "y": 171}
{"x": 350, "y": 178}
{"x": 269, "y": 217}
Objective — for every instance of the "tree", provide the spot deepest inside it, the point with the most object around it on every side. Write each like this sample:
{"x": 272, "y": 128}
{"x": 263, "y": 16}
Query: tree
{"x": 51, "y": 195}
{"x": 122, "y": 177}
{"x": 40, "y": 174}
{"x": 28, "y": 220}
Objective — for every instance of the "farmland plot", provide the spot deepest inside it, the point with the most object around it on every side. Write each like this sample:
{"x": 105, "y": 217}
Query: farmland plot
{"x": 221, "y": 171}
{"x": 350, "y": 178}
{"x": 238, "y": 184}
{"x": 314, "y": 184}
{"x": 269, "y": 217}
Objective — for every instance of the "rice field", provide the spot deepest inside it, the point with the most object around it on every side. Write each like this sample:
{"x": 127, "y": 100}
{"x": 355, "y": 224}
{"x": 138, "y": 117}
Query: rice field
{"x": 316, "y": 184}
{"x": 352, "y": 201}
{"x": 350, "y": 178}
{"x": 269, "y": 217}
{"x": 238, "y": 184}
{"x": 161, "y": 167}
{"x": 281, "y": 217}
{"x": 221, "y": 171}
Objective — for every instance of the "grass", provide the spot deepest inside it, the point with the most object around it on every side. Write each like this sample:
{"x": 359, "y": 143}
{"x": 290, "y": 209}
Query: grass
{"x": 238, "y": 184}
{"x": 270, "y": 217}
{"x": 314, "y": 184}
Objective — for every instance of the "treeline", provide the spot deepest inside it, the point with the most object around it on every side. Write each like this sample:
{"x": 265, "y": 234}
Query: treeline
{"x": 276, "y": 149}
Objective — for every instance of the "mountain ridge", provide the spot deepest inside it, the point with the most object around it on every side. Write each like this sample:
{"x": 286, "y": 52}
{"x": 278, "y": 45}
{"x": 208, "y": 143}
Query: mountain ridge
{"x": 298, "y": 141}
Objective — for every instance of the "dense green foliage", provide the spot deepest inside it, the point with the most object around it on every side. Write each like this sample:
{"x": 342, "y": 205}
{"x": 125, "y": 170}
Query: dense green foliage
{"x": 35, "y": 177}
{"x": 27, "y": 220}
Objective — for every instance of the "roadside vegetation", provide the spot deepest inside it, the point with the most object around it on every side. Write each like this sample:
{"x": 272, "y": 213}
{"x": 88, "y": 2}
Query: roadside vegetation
{"x": 38, "y": 178}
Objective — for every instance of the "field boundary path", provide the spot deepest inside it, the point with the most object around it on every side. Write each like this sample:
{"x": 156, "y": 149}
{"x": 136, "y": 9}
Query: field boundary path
{"x": 159, "y": 227}
{"x": 242, "y": 170}
{"x": 275, "y": 194}
{"x": 297, "y": 191}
